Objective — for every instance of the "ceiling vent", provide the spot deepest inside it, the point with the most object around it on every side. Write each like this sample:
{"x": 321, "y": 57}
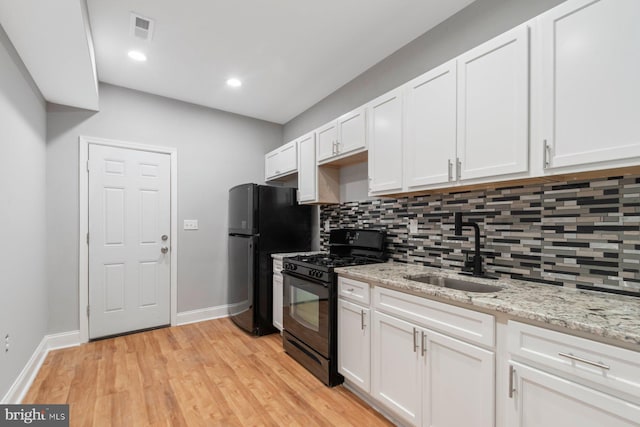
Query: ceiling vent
{"x": 141, "y": 27}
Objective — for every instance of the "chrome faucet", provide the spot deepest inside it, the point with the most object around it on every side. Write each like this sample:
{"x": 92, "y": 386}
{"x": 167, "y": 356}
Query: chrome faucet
{"x": 473, "y": 265}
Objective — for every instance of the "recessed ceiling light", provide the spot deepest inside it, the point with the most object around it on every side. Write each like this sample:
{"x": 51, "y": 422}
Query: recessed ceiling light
{"x": 234, "y": 83}
{"x": 136, "y": 55}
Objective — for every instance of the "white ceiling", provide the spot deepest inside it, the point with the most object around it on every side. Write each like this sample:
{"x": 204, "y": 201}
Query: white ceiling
{"x": 290, "y": 54}
{"x": 54, "y": 42}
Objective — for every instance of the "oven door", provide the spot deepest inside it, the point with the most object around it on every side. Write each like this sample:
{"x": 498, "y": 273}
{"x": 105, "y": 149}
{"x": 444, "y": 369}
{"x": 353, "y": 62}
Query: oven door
{"x": 306, "y": 311}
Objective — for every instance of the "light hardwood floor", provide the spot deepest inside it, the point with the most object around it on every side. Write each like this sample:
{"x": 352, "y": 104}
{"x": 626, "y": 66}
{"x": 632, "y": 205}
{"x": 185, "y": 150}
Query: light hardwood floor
{"x": 203, "y": 374}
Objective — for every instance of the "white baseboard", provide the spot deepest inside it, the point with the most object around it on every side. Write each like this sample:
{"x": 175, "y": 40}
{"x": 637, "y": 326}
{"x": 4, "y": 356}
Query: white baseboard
{"x": 20, "y": 386}
{"x": 202, "y": 314}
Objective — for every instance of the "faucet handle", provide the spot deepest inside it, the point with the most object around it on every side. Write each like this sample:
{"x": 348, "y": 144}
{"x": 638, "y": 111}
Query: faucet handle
{"x": 468, "y": 261}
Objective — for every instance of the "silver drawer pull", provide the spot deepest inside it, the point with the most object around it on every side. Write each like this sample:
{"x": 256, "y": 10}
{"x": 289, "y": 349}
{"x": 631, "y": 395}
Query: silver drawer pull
{"x": 350, "y": 290}
{"x": 588, "y": 362}
{"x": 512, "y": 372}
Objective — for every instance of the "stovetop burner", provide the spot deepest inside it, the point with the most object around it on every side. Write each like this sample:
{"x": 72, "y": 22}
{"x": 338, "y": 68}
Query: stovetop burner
{"x": 333, "y": 261}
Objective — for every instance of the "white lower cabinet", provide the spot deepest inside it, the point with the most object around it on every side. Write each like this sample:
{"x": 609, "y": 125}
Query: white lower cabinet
{"x": 540, "y": 399}
{"x": 558, "y": 380}
{"x": 354, "y": 343}
{"x": 428, "y": 363}
{"x": 458, "y": 376}
{"x": 396, "y": 366}
{"x": 354, "y": 332}
{"x": 277, "y": 294}
{"x": 424, "y": 377}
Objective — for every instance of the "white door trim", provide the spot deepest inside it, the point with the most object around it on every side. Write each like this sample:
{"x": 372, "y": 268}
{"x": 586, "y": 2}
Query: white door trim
{"x": 83, "y": 253}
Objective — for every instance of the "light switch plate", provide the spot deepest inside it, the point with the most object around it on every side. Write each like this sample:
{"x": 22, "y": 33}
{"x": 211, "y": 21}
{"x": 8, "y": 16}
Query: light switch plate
{"x": 190, "y": 224}
{"x": 327, "y": 226}
{"x": 413, "y": 226}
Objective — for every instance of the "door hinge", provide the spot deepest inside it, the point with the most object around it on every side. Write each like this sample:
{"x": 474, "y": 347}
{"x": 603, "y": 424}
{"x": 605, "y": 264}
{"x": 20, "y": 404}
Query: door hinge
{"x": 87, "y": 165}
{"x": 88, "y": 310}
{"x": 87, "y": 238}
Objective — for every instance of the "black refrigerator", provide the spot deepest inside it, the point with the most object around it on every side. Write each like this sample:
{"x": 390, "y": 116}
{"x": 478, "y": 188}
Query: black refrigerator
{"x": 262, "y": 220}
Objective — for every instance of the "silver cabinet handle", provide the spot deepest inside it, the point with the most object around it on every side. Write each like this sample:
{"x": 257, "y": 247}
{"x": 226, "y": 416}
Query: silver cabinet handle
{"x": 164, "y": 249}
{"x": 512, "y": 372}
{"x": 350, "y": 290}
{"x": 334, "y": 147}
{"x": 362, "y": 325}
{"x": 424, "y": 344}
{"x": 449, "y": 169}
{"x": 588, "y": 362}
{"x": 415, "y": 343}
{"x": 546, "y": 157}
{"x": 458, "y": 168}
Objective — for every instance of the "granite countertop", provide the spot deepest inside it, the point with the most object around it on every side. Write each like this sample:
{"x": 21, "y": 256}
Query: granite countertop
{"x": 290, "y": 254}
{"x": 613, "y": 317}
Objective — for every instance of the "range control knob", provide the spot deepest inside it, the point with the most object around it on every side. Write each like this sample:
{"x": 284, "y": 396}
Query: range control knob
{"x": 290, "y": 266}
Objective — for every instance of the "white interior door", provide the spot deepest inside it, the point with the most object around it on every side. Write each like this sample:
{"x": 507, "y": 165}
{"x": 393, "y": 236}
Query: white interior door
{"x": 129, "y": 240}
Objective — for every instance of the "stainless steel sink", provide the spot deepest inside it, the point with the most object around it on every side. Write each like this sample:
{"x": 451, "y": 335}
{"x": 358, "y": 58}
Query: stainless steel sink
{"x": 451, "y": 283}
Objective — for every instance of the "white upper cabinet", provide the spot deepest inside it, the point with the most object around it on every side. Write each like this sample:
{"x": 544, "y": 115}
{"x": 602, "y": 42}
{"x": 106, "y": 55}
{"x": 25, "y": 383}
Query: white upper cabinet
{"x": 430, "y": 128}
{"x": 352, "y": 135}
{"x": 316, "y": 184}
{"x": 327, "y": 136}
{"x": 493, "y": 107}
{"x": 281, "y": 162}
{"x": 385, "y": 143}
{"x": 590, "y": 84}
{"x": 307, "y": 169}
{"x": 342, "y": 137}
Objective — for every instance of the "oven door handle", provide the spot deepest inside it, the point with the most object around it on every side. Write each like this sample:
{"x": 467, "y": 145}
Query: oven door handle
{"x": 305, "y": 278}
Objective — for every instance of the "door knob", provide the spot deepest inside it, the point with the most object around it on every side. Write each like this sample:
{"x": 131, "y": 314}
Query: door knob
{"x": 164, "y": 237}
{"x": 164, "y": 249}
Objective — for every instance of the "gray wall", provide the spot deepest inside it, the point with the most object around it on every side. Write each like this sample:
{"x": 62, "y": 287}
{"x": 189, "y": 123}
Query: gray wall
{"x": 216, "y": 150}
{"x": 470, "y": 27}
{"x": 475, "y": 24}
{"x": 23, "y": 281}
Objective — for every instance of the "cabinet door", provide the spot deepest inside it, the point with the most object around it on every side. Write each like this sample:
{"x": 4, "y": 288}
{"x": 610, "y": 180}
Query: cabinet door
{"x": 395, "y": 374}
{"x": 351, "y": 131}
{"x": 458, "y": 375}
{"x": 270, "y": 164}
{"x": 326, "y": 138}
{"x": 385, "y": 143}
{"x": 544, "y": 400}
{"x": 277, "y": 301}
{"x": 430, "y": 128}
{"x": 493, "y": 107}
{"x": 354, "y": 345}
{"x": 591, "y": 64}
{"x": 307, "y": 168}
{"x": 288, "y": 158}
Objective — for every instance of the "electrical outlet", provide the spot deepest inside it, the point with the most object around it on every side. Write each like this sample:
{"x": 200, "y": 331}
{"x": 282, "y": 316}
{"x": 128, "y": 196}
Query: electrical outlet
{"x": 327, "y": 226}
{"x": 190, "y": 224}
{"x": 413, "y": 226}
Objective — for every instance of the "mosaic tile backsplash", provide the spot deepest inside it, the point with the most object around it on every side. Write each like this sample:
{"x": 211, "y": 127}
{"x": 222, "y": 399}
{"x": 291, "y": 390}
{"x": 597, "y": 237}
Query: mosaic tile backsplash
{"x": 579, "y": 234}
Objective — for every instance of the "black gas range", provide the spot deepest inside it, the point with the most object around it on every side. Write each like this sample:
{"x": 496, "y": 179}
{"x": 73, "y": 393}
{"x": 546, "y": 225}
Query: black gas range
{"x": 311, "y": 298}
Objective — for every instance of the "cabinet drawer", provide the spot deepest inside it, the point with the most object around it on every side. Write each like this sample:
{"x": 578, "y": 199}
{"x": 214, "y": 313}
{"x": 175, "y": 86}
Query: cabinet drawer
{"x": 354, "y": 290}
{"x": 468, "y": 325}
{"x": 277, "y": 266}
{"x": 602, "y": 365}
